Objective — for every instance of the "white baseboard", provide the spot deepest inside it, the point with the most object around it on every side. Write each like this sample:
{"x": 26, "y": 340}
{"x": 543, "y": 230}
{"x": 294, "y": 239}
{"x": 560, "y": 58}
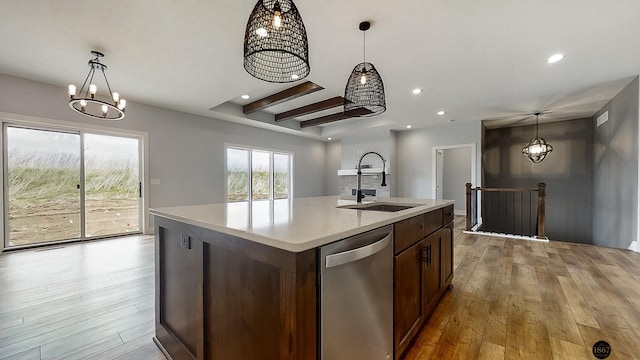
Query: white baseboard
{"x": 460, "y": 212}
{"x": 635, "y": 246}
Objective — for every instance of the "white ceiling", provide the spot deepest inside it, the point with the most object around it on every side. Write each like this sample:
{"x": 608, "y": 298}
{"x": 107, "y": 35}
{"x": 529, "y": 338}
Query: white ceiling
{"x": 478, "y": 60}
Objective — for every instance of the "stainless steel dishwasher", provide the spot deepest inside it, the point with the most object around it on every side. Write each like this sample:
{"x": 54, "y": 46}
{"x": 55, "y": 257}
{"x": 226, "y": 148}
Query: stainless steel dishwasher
{"x": 356, "y": 297}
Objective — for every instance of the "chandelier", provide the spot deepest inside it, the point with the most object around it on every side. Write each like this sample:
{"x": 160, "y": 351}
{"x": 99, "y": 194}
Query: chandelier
{"x": 275, "y": 42}
{"x": 86, "y": 101}
{"x": 537, "y": 149}
{"x": 364, "y": 93}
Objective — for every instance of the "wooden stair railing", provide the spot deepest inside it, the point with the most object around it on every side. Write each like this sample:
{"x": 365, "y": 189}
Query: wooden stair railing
{"x": 488, "y": 211}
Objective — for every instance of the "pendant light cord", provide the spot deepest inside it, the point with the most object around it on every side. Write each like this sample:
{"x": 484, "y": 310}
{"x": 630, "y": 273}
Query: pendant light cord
{"x": 537, "y": 115}
{"x": 364, "y": 47}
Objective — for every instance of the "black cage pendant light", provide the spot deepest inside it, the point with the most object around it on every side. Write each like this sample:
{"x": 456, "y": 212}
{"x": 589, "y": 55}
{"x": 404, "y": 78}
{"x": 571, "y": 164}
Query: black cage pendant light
{"x": 364, "y": 93}
{"x": 275, "y": 42}
{"x": 537, "y": 149}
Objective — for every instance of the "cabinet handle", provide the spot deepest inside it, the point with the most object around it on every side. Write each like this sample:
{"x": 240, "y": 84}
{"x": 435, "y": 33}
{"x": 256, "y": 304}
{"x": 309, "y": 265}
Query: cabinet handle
{"x": 425, "y": 254}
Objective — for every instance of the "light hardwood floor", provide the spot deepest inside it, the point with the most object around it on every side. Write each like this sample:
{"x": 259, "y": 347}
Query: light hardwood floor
{"x": 512, "y": 299}
{"x": 79, "y": 301}
{"x": 515, "y": 299}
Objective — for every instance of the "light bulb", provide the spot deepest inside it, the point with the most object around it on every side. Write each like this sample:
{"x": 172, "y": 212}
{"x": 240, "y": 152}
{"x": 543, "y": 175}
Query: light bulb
{"x": 105, "y": 108}
{"x": 122, "y": 104}
{"x": 93, "y": 89}
{"x": 262, "y": 32}
{"x": 277, "y": 21}
{"x": 83, "y": 104}
{"x": 72, "y": 90}
{"x": 116, "y": 97}
{"x": 363, "y": 79}
{"x": 535, "y": 149}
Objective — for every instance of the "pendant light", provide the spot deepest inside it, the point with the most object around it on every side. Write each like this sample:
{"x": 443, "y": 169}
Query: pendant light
{"x": 275, "y": 42}
{"x": 364, "y": 93}
{"x": 537, "y": 149}
{"x": 86, "y": 102}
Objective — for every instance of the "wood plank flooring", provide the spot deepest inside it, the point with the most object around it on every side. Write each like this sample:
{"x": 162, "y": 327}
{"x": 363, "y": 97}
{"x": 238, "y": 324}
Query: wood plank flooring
{"x": 79, "y": 301}
{"x": 512, "y": 299}
{"x": 516, "y": 299}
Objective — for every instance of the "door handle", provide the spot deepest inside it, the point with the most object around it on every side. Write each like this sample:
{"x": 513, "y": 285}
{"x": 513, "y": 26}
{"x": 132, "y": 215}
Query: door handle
{"x": 357, "y": 254}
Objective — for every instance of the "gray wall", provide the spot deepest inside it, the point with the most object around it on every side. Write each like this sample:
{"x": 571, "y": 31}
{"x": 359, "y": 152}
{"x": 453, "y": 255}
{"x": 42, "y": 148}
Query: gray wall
{"x": 186, "y": 152}
{"x": 415, "y": 149}
{"x": 455, "y": 174}
{"x": 615, "y": 173}
{"x": 334, "y": 163}
{"x": 567, "y": 171}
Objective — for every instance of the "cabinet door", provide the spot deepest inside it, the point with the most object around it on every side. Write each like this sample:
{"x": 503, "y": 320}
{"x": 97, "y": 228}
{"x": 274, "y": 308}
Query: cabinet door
{"x": 408, "y": 308}
{"x": 432, "y": 271}
{"x": 447, "y": 254}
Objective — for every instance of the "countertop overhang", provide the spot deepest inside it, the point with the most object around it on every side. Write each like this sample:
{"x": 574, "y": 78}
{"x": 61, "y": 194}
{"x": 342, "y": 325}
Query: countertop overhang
{"x": 294, "y": 225}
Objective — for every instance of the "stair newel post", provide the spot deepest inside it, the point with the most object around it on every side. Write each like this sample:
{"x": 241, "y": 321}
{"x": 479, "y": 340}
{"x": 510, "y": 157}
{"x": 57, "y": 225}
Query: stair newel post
{"x": 541, "y": 210}
{"x": 468, "y": 186}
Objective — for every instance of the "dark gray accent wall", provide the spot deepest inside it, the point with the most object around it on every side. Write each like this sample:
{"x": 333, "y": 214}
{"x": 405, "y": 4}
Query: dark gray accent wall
{"x": 615, "y": 172}
{"x": 567, "y": 171}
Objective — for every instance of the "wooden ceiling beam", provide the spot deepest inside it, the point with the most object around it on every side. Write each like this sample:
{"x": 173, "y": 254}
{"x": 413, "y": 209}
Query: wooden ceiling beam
{"x": 331, "y": 118}
{"x": 310, "y": 109}
{"x": 285, "y": 95}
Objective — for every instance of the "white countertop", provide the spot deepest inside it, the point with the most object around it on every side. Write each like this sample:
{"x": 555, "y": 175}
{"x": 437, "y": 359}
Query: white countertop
{"x": 294, "y": 225}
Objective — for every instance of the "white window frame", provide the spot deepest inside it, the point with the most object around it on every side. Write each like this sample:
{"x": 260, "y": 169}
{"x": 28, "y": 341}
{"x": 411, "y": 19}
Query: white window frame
{"x": 250, "y": 149}
{"x": 62, "y": 125}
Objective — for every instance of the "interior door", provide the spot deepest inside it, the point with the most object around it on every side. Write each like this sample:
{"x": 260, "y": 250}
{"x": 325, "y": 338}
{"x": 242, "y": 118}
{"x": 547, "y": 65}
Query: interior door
{"x": 439, "y": 171}
{"x": 42, "y": 192}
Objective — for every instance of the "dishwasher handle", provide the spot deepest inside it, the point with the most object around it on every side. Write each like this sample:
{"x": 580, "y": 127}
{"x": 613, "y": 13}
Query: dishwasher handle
{"x": 357, "y": 254}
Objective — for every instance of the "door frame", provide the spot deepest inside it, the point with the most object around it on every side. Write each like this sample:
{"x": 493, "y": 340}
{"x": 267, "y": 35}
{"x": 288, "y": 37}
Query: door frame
{"x": 434, "y": 159}
{"x": 71, "y": 126}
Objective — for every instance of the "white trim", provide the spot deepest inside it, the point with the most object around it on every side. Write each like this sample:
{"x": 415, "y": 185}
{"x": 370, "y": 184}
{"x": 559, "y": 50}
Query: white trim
{"x": 435, "y": 148}
{"x": 143, "y": 137}
{"x": 636, "y": 247}
{"x": 250, "y": 149}
{"x": 474, "y": 180}
{"x": 508, "y": 236}
{"x": 460, "y": 212}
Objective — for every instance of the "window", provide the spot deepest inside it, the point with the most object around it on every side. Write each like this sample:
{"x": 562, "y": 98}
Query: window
{"x": 256, "y": 174}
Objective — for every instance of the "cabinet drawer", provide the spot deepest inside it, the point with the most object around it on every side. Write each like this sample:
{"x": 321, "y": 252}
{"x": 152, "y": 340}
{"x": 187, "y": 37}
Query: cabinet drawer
{"x": 432, "y": 221}
{"x": 448, "y": 215}
{"x": 408, "y": 232}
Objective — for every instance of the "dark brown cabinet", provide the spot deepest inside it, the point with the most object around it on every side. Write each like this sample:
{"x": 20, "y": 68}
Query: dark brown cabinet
{"x": 431, "y": 267}
{"x": 423, "y": 269}
{"x": 222, "y": 297}
{"x": 408, "y": 314}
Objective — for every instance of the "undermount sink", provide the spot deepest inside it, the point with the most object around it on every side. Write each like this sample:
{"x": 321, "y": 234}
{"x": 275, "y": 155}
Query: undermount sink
{"x": 385, "y": 207}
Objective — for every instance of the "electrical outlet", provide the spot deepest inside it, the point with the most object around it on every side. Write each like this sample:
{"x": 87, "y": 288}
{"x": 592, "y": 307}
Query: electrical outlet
{"x": 185, "y": 241}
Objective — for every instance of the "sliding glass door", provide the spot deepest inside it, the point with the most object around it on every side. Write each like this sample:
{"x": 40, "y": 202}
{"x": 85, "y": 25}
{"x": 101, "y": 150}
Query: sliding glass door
{"x": 42, "y": 186}
{"x": 69, "y": 185}
{"x": 112, "y": 185}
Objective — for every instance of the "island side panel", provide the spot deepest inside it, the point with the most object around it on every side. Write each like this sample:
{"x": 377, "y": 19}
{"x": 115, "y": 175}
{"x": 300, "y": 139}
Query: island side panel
{"x": 258, "y": 302}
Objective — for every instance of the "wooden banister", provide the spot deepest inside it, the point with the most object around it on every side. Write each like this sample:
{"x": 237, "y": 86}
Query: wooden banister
{"x": 472, "y": 214}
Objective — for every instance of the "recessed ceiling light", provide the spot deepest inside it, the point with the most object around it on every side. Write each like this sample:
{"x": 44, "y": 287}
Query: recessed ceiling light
{"x": 245, "y": 96}
{"x": 417, "y": 91}
{"x": 441, "y": 112}
{"x": 555, "y": 58}
{"x": 328, "y": 138}
{"x": 408, "y": 126}
{"x": 295, "y": 77}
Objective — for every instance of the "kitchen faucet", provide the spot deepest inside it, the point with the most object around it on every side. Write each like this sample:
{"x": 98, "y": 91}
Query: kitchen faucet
{"x": 359, "y": 195}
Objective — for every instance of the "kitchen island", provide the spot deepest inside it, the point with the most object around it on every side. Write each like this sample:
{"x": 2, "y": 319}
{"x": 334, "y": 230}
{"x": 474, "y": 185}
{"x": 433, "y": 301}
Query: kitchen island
{"x": 240, "y": 280}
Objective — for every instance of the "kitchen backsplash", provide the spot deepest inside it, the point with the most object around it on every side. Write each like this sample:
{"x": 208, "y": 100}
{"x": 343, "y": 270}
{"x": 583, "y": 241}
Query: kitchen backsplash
{"x": 348, "y": 182}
